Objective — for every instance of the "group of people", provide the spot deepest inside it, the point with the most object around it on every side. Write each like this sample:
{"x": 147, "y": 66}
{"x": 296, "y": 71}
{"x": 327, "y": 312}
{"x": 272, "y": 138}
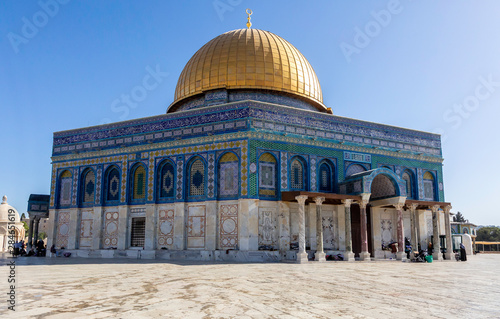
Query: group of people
{"x": 39, "y": 249}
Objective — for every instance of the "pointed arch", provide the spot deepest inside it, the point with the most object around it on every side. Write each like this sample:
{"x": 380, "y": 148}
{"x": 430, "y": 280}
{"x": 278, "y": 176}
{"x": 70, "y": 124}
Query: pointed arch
{"x": 112, "y": 182}
{"x": 87, "y": 187}
{"x": 298, "y": 173}
{"x": 383, "y": 187}
{"x": 409, "y": 179}
{"x": 268, "y": 186}
{"x": 65, "y": 188}
{"x": 165, "y": 180}
{"x": 196, "y": 178}
{"x": 228, "y": 169}
{"x": 326, "y": 176}
{"x": 137, "y": 183}
{"x": 354, "y": 169}
{"x": 429, "y": 186}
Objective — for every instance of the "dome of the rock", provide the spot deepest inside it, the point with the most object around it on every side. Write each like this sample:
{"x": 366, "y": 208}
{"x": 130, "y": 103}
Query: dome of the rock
{"x": 249, "y": 59}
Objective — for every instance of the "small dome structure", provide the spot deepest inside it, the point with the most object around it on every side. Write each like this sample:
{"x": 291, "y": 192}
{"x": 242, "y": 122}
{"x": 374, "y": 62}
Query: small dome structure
{"x": 4, "y": 211}
{"x": 6, "y": 230}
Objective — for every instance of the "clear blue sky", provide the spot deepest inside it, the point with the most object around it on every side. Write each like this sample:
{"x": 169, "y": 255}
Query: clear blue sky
{"x": 426, "y": 65}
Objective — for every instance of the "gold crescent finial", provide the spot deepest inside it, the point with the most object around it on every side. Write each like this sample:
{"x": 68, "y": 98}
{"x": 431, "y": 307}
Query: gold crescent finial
{"x": 249, "y": 12}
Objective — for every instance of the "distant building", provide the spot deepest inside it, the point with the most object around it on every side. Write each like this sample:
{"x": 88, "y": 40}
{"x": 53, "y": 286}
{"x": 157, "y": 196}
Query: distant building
{"x": 11, "y": 228}
{"x": 38, "y": 210}
{"x": 465, "y": 233}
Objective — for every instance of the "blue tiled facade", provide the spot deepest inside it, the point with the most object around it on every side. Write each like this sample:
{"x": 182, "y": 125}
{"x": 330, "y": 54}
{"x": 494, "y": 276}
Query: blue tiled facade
{"x": 248, "y": 128}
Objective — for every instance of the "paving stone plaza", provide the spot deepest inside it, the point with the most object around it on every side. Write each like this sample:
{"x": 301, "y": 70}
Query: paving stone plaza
{"x": 129, "y": 288}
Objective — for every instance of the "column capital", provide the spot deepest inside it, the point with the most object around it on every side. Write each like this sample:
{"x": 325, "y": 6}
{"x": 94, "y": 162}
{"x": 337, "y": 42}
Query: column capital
{"x": 435, "y": 208}
{"x": 363, "y": 203}
{"x": 399, "y": 206}
{"x": 319, "y": 200}
{"x": 447, "y": 209}
{"x": 365, "y": 197}
{"x": 413, "y": 207}
{"x": 301, "y": 199}
{"x": 347, "y": 202}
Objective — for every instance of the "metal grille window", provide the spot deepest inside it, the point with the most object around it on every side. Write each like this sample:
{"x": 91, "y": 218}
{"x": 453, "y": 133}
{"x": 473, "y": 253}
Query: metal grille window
{"x": 197, "y": 179}
{"x": 138, "y": 232}
{"x": 297, "y": 175}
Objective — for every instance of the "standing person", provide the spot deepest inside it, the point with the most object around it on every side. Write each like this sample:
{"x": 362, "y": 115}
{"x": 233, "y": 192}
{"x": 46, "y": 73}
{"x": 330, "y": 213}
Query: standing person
{"x": 16, "y": 249}
{"x": 463, "y": 253}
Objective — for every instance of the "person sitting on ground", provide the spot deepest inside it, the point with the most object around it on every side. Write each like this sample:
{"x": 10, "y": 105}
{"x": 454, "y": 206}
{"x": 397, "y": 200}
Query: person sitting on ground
{"x": 31, "y": 252}
{"x": 22, "y": 252}
{"x": 59, "y": 253}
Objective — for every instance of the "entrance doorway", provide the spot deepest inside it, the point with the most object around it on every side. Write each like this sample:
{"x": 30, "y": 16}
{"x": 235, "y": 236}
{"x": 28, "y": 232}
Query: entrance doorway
{"x": 356, "y": 229}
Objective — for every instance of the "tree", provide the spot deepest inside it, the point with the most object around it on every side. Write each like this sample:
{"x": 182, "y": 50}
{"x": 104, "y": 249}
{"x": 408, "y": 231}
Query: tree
{"x": 23, "y": 216}
{"x": 459, "y": 218}
{"x": 25, "y": 224}
{"x": 489, "y": 233}
{"x": 42, "y": 235}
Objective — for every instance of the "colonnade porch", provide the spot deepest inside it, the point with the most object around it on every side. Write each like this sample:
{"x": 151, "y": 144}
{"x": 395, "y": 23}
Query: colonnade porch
{"x": 399, "y": 203}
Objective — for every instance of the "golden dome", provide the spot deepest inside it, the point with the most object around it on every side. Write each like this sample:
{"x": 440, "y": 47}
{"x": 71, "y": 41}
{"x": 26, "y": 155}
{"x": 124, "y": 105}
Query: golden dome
{"x": 249, "y": 59}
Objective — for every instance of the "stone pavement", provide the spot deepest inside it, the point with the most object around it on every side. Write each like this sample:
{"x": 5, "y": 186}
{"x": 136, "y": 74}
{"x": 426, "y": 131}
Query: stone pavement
{"x": 101, "y": 288}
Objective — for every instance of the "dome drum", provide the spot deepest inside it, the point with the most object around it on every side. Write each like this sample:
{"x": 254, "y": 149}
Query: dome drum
{"x": 222, "y": 96}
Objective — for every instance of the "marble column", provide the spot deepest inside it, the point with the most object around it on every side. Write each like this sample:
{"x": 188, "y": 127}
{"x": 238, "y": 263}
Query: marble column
{"x": 449, "y": 245}
{"x": 365, "y": 254}
{"x": 35, "y": 235}
{"x": 30, "y": 233}
{"x": 302, "y": 256}
{"x": 413, "y": 229}
{"x": 436, "y": 244}
{"x": 400, "y": 255}
{"x": 348, "y": 254}
{"x": 320, "y": 254}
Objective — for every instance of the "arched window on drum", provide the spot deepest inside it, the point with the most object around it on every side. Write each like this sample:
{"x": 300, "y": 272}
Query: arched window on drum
{"x": 166, "y": 181}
